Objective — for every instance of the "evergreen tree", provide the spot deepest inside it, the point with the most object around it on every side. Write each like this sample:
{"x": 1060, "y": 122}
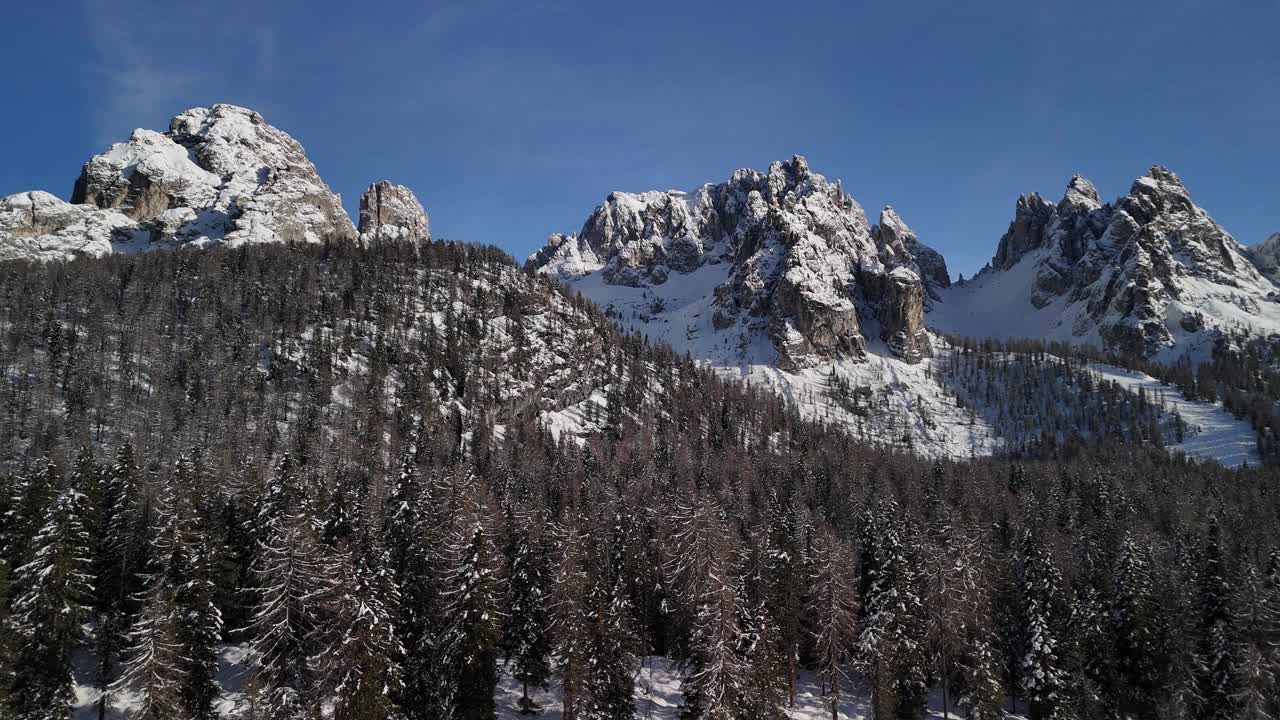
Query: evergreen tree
{"x": 360, "y": 666}
{"x": 763, "y": 691}
{"x": 53, "y": 591}
{"x": 714, "y": 669}
{"x": 192, "y": 564}
{"x": 1039, "y": 592}
{"x": 835, "y": 610}
{"x": 1260, "y": 630}
{"x": 1136, "y": 651}
{"x": 289, "y": 579}
{"x": 890, "y": 648}
{"x": 469, "y": 646}
{"x": 154, "y": 664}
{"x": 527, "y": 640}
{"x": 119, "y": 562}
{"x": 1217, "y": 686}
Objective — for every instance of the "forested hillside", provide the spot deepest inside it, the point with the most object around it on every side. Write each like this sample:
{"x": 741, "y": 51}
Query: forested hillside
{"x": 384, "y": 472}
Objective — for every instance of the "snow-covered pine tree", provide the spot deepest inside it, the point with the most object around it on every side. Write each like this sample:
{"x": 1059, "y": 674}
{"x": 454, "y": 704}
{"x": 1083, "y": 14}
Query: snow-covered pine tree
{"x": 360, "y": 665}
{"x": 1259, "y": 603}
{"x": 764, "y": 688}
{"x": 1132, "y": 615}
{"x": 835, "y": 610}
{"x": 703, "y": 572}
{"x": 958, "y": 616}
{"x": 54, "y": 589}
{"x": 611, "y": 669}
{"x": 1041, "y": 618}
{"x": 1217, "y": 680}
{"x": 342, "y": 513}
{"x": 153, "y": 668}
{"x": 526, "y": 639}
{"x": 469, "y": 646}
{"x": 192, "y": 565}
{"x": 890, "y": 648}
{"x": 289, "y": 577}
{"x": 118, "y": 564}
{"x": 787, "y": 584}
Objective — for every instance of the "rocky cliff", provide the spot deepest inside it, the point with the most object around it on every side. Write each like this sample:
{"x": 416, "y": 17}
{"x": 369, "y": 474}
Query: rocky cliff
{"x": 392, "y": 212}
{"x": 795, "y": 259}
{"x": 219, "y": 174}
{"x": 1149, "y": 273}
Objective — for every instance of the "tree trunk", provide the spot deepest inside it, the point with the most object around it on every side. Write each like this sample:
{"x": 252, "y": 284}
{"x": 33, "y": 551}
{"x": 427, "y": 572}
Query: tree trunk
{"x": 946, "y": 703}
{"x": 835, "y": 696}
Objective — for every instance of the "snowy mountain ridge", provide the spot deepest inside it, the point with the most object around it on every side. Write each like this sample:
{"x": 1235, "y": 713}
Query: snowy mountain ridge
{"x": 795, "y": 261}
{"x": 1149, "y": 274}
{"x": 218, "y": 175}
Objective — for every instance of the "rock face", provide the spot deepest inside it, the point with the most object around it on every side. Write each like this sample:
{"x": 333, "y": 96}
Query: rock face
{"x": 1138, "y": 275}
{"x": 794, "y": 258}
{"x": 892, "y": 234}
{"x": 392, "y": 212}
{"x": 1266, "y": 257}
{"x": 38, "y": 226}
{"x": 219, "y": 174}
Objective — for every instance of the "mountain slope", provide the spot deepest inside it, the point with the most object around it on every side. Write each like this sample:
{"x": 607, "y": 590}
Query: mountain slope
{"x": 777, "y": 278}
{"x": 1150, "y": 274}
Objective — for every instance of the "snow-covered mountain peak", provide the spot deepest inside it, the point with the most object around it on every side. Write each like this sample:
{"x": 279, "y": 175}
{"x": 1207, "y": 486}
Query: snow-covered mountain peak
{"x": 1080, "y": 196}
{"x": 903, "y": 248}
{"x": 392, "y": 212}
{"x": 1266, "y": 257}
{"x": 790, "y": 256}
{"x": 219, "y": 174}
{"x": 1150, "y": 273}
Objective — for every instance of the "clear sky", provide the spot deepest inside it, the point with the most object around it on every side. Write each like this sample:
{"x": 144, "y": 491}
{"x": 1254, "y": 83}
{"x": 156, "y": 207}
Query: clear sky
{"x": 513, "y": 118}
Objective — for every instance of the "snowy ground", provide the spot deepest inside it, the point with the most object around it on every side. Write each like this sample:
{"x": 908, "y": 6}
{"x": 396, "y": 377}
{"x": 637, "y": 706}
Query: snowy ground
{"x": 1216, "y": 434}
{"x": 658, "y": 697}
{"x": 905, "y": 402}
{"x": 657, "y": 694}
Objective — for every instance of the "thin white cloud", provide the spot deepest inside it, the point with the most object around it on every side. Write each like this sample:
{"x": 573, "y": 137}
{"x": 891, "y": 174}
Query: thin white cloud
{"x": 134, "y": 84}
{"x": 154, "y": 59}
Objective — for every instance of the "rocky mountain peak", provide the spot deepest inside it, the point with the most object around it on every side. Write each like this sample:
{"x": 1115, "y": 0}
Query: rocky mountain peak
{"x": 219, "y": 174}
{"x": 796, "y": 256}
{"x": 1266, "y": 257}
{"x": 893, "y": 235}
{"x": 392, "y": 212}
{"x": 1080, "y": 196}
{"x": 1135, "y": 274}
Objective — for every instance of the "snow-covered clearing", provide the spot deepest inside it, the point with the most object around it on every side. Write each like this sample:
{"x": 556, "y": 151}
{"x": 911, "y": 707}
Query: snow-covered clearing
{"x": 1215, "y": 433}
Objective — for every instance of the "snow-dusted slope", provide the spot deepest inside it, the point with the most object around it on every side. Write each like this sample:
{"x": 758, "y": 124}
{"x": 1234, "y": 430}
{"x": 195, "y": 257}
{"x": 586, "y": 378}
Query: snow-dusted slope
{"x": 778, "y": 279}
{"x": 1212, "y": 432}
{"x": 219, "y": 174}
{"x": 1150, "y": 274}
{"x": 36, "y": 225}
{"x": 877, "y": 396}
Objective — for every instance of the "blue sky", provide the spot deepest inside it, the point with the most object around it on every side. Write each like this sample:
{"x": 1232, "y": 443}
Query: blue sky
{"x": 513, "y": 119}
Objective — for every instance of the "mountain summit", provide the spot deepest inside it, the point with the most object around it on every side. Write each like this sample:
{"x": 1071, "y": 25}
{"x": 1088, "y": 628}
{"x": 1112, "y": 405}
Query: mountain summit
{"x": 219, "y": 174}
{"x": 1149, "y": 274}
{"x": 780, "y": 263}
